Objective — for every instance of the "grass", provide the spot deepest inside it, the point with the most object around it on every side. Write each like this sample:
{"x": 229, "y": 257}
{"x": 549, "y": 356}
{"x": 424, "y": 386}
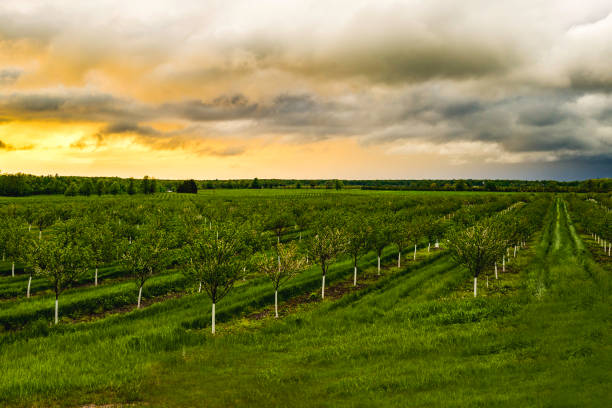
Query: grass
{"x": 395, "y": 347}
{"x": 539, "y": 336}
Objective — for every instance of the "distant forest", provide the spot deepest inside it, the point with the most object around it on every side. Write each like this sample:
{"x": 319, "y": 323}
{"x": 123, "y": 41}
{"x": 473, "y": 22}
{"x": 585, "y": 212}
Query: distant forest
{"x": 18, "y": 185}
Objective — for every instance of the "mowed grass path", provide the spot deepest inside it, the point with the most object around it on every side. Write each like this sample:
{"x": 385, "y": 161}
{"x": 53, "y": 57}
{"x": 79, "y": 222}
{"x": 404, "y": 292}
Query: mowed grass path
{"x": 415, "y": 340}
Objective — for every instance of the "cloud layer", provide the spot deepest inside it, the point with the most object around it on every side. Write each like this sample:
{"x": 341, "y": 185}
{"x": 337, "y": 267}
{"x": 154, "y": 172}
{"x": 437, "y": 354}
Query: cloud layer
{"x": 474, "y": 81}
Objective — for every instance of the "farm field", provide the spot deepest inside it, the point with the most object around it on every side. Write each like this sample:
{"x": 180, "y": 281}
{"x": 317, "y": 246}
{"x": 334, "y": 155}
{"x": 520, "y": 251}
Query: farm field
{"x": 414, "y": 331}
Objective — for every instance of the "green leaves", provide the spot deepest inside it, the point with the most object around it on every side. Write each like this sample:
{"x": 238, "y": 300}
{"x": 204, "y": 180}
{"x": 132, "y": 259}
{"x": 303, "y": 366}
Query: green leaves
{"x": 59, "y": 263}
{"x": 478, "y": 246}
{"x": 216, "y": 258}
{"x": 282, "y": 265}
{"x": 147, "y": 255}
{"x": 327, "y": 243}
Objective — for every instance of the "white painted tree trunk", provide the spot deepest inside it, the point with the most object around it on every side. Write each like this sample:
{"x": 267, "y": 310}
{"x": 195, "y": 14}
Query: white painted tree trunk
{"x": 415, "y": 247}
{"x": 508, "y": 252}
{"x": 504, "y": 264}
{"x": 487, "y": 281}
{"x": 276, "y": 304}
{"x": 30, "y": 228}
{"x": 306, "y": 259}
{"x": 428, "y": 246}
{"x": 379, "y": 264}
{"x": 399, "y": 257}
{"x": 96, "y": 277}
{"x": 475, "y": 286}
{"x": 355, "y": 277}
{"x": 300, "y": 236}
{"x": 213, "y": 318}
{"x": 514, "y": 251}
{"x": 13, "y": 270}
{"x": 56, "y": 309}
{"x": 277, "y": 238}
{"x": 29, "y": 284}
{"x": 139, "y": 296}
{"x": 39, "y": 235}
{"x": 200, "y": 287}
{"x": 323, "y": 288}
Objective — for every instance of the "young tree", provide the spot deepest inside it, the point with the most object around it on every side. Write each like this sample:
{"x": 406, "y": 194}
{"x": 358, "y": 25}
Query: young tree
{"x": 282, "y": 266}
{"x": 432, "y": 228}
{"x": 146, "y": 256}
{"x": 217, "y": 260}
{"x": 100, "y": 238}
{"x": 380, "y": 235}
{"x": 402, "y": 233}
{"x": 61, "y": 262}
{"x": 324, "y": 247}
{"x": 477, "y": 247}
{"x": 15, "y": 239}
{"x": 279, "y": 222}
{"x": 44, "y": 220}
{"x": 357, "y": 234}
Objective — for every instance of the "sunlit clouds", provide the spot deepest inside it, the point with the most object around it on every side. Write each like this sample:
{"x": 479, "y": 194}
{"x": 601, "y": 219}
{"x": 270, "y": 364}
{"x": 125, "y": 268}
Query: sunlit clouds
{"x": 298, "y": 89}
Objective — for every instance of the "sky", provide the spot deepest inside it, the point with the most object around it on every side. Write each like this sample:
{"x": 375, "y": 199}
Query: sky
{"x": 346, "y": 89}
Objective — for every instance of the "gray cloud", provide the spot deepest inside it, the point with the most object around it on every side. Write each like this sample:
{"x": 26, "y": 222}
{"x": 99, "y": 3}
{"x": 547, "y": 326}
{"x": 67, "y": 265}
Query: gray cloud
{"x": 9, "y": 76}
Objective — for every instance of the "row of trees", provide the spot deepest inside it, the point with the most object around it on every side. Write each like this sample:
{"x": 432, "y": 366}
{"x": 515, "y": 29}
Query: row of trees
{"x": 26, "y": 184}
{"x": 595, "y": 218}
{"x": 215, "y": 244}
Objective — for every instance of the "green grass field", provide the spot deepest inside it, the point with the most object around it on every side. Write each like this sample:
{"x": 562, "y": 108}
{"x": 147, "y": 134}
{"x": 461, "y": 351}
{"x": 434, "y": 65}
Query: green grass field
{"x": 538, "y": 336}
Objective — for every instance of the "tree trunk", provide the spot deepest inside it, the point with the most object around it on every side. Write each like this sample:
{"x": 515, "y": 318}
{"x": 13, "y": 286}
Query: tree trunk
{"x": 399, "y": 257}
{"x": 213, "y": 318}
{"x": 39, "y": 235}
{"x": 300, "y": 236}
{"x": 276, "y": 304}
{"x": 200, "y": 287}
{"x": 487, "y": 280}
{"x": 96, "y": 277}
{"x": 415, "y": 252}
{"x": 13, "y": 270}
{"x": 379, "y": 264}
{"x": 30, "y": 228}
{"x": 475, "y": 286}
{"x": 355, "y": 277}
{"x": 504, "y": 264}
{"x": 323, "y": 288}
{"x": 495, "y": 270}
{"x": 514, "y": 251}
{"x": 29, "y": 284}
{"x": 56, "y": 309}
{"x": 139, "y": 296}
{"x": 428, "y": 246}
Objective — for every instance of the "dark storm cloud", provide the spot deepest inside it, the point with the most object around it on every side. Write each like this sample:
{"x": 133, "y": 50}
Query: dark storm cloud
{"x": 71, "y": 105}
{"x": 221, "y": 108}
{"x": 119, "y": 128}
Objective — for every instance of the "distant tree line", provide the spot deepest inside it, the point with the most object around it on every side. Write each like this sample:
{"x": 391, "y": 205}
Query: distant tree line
{"x": 25, "y": 185}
